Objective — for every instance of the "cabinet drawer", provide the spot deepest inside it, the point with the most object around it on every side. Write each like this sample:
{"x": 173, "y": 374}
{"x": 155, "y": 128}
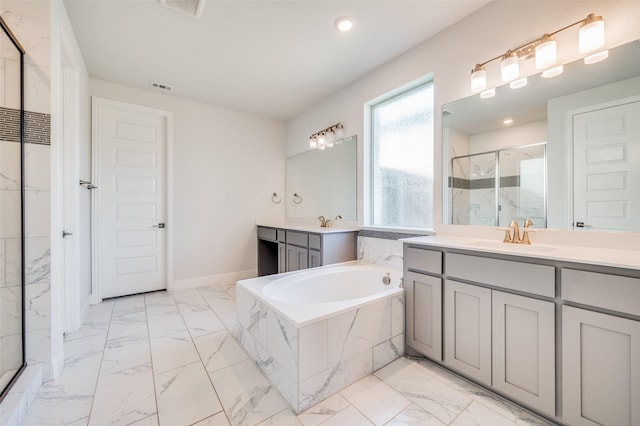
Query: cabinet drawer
{"x": 297, "y": 238}
{"x": 520, "y": 276}
{"x": 423, "y": 260}
{"x": 605, "y": 291}
{"x": 281, "y": 235}
{"x": 314, "y": 241}
{"x": 267, "y": 233}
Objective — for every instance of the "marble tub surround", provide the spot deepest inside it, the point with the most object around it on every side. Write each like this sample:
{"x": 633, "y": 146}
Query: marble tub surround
{"x": 612, "y": 257}
{"x": 311, "y": 360}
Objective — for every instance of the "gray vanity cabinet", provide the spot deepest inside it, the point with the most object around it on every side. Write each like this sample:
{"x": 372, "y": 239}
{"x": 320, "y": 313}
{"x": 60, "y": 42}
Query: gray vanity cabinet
{"x": 600, "y": 351}
{"x": 285, "y": 250}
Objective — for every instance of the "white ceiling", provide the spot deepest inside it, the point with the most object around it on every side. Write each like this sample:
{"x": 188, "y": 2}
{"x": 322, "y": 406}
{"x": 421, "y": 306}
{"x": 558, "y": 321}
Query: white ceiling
{"x": 274, "y": 58}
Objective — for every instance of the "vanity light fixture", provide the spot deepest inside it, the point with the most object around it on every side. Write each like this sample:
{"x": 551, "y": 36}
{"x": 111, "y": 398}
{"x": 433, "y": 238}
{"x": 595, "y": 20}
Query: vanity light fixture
{"x": 327, "y": 138}
{"x": 545, "y": 52}
{"x": 596, "y": 57}
{"x": 508, "y": 121}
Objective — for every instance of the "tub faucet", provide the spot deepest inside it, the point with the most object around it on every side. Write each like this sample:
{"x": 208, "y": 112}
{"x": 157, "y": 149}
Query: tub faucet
{"x": 324, "y": 223}
{"x": 392, "y": 255}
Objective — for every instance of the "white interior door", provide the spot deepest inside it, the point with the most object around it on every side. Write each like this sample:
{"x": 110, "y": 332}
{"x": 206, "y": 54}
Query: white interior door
{"x": 131, "y": 145}
{"x": 606, "y": 175}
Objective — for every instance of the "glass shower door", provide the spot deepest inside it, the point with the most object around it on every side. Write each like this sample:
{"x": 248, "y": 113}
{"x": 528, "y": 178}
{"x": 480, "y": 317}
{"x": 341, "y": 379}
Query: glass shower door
{"x": 11, "y": 211}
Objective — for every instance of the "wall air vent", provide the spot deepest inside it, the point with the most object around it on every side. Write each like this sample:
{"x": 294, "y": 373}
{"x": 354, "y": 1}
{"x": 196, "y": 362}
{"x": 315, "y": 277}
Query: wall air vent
{"x": 188, "y": 7}
{"x": 161, "y": 86}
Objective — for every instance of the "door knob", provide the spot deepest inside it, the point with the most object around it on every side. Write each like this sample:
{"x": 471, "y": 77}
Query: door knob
{"x": 160, "y": 225}
{"x": 66, "y": 234}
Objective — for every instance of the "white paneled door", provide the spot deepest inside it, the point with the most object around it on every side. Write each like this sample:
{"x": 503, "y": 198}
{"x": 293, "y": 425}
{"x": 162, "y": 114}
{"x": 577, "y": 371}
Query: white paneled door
{"x": 131, "y": 162}
{"x": 606, "y": 145}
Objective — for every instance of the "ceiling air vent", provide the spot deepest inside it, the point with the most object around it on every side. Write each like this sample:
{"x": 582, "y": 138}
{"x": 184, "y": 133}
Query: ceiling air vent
{"x": 188, "y": 7}
{"x": 161, "y": 86}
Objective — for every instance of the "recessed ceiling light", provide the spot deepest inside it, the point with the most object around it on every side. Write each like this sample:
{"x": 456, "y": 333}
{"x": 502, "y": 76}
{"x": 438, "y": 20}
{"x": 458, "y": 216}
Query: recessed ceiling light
{"x": 344, "y": 24}
{"x": 508, "y": 121}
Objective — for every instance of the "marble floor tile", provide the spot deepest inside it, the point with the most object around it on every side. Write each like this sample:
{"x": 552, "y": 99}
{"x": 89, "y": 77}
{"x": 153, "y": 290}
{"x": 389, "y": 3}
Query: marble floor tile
{"x": 185, "y": 395}
{"x": 349, "y": 416}
{"x": 375, "y": 399}
{"x": 323, "y": 411}
{"x": 124, "y": 397}
{"x": 126, "y": 352}
{"x": 165, "y": 324}
{"x": 148, "y": 421}
{"x": 247, "y": 397}
{"x": 96, "y": 322}
{"x": 202, "y": 322}
{"x": 414, "y": 415}
{"x": 283, "y": 418}
{"x": 219, "y": 350}
{"x": 219, "y": 419}
{"x": 84, "y": 351}
{"x": 173, "y": 351}
{"x": 127, "y": 323}
{"x": 477, "y": 414}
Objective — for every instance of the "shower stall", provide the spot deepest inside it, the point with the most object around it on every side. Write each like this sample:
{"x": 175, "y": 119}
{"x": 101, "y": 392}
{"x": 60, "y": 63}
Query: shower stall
{"x": 495, "y": 187}
{"x": 12, "y": 347}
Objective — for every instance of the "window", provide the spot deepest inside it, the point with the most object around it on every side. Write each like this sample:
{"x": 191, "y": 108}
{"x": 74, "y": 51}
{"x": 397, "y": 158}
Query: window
{"x": 402, "y": 160}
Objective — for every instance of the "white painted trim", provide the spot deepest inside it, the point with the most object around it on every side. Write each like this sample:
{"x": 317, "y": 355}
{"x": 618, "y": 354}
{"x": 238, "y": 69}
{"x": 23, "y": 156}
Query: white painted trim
{"x": 214, "y": 279}
{"x": 96, "y": 103}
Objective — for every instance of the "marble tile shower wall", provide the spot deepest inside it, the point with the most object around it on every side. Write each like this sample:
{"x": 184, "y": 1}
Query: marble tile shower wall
{"x": 34, "y": 35}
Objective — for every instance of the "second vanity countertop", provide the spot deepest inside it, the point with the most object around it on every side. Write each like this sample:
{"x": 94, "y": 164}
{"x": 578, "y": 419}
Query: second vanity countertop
{"x": 628, "y": 259}
{"x": 313, "y": 229}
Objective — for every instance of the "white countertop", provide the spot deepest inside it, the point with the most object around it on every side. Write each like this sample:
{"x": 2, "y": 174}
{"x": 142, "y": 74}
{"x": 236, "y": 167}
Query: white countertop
{"x": 629, "y": 259}
{"x": 315, "y": 229}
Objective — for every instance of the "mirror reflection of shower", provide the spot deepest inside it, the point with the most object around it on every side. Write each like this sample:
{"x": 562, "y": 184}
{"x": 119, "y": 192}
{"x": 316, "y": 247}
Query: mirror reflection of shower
{"x": 495, "y": 187}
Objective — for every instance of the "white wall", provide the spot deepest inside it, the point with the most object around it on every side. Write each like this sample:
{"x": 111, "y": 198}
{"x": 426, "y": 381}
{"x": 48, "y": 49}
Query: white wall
{"x": 226, "y": 166}
{"x": 509, "y": 137}
{"x": 451, "y": 54}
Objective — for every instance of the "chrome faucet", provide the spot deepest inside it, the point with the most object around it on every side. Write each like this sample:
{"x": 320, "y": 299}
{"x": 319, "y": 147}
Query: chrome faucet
{"x": 324, "y": 223}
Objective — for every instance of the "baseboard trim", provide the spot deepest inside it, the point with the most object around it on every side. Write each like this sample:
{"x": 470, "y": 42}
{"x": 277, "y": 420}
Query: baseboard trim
{"x": 213, "y": 279}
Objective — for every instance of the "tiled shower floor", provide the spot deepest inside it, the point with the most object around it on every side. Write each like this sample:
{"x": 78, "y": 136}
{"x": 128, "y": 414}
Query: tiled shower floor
{"x": 169, "y": 359}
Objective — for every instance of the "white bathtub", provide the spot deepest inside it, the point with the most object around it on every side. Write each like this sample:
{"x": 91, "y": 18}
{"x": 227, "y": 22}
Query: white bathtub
{"x": 316, "y": 331}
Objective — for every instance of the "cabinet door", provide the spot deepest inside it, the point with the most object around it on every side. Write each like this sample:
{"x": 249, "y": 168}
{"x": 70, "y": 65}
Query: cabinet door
{"x": 303, "y": 257}
{"x": 282, "y": 257}
{"x": 600, "y": 369}
{"x": 524, "y": 349}
{"x": 467, "y": 329}
{"x": 292, "y": 258}
{"x": 424, "y": 314}
{"x": 314, "y": 258}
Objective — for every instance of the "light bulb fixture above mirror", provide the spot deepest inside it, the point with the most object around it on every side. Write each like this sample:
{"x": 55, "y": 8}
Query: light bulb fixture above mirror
{"x": 545, "y": 52}
{"x": 327, "y": 138}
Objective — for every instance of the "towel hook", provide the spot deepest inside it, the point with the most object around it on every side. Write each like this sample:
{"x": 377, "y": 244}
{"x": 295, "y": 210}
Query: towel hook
{"x": 275, "y": 199}
{"x": 297, "y": 199}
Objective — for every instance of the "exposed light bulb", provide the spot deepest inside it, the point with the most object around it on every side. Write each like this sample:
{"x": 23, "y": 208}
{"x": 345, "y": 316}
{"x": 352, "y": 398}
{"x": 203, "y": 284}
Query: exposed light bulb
{"x": 478, "y": 79}
{"x": 489, "y": 93}
{"x": 546, "y": 52}
{"x": 509, "y": 68}
{"x": 553, "y": 72}
{"x": 517, "y": 84}
{"x": 596, "y": 57}
{"x": 344, "y": 24}
{"x": 591, "y": 34}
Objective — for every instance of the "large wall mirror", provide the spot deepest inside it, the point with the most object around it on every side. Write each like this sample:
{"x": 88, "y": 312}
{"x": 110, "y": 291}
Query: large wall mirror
{"x": 323, "y": 182}
{"x": 562, "y": 151}
{"x": 12, "y": 359}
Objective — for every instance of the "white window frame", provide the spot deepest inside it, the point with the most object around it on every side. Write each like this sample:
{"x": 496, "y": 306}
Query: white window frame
{"x": 367, "y": 190}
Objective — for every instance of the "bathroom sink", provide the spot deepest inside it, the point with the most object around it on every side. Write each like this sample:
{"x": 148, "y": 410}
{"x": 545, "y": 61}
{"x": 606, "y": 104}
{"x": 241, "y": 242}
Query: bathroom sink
{"x": 523, "y": 248}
